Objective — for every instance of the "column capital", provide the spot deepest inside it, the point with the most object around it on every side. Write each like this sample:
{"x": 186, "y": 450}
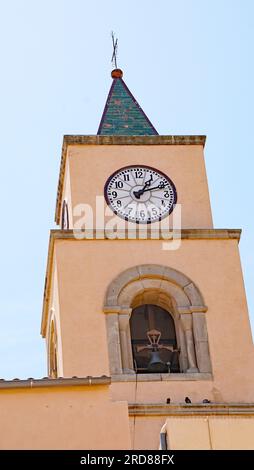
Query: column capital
{"x": 198, "y": 308}
{"x": 108, "y": 309}
{"x": 125, "y": 311}
{"x": 111, "y": 309}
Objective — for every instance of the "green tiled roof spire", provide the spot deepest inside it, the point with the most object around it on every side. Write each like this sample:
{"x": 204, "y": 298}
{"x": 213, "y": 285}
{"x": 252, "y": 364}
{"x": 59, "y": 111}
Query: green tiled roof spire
{"x": 122, "y": 114}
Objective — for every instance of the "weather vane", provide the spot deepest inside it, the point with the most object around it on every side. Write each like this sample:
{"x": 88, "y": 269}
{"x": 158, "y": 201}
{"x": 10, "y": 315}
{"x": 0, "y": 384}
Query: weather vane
{"x": 115, "y": 47}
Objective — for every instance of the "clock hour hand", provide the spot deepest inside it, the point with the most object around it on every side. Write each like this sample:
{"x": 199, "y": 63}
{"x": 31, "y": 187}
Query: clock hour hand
{"x": 139, "y": 193}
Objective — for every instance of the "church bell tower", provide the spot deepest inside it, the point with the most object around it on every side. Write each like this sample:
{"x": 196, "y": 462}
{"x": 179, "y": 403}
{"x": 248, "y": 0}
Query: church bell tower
{"x": 165, "y": 319}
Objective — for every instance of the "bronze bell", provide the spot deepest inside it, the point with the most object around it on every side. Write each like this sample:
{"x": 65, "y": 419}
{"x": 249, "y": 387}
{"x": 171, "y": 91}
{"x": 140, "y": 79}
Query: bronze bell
{"x": 156, "y": 364}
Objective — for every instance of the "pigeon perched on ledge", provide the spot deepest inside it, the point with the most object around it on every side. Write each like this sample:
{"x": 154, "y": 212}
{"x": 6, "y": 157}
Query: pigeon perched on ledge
{"x": 187, "y": 400}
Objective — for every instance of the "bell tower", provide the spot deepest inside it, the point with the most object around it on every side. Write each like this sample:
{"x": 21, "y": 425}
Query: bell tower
{"x": 162, "y": 319}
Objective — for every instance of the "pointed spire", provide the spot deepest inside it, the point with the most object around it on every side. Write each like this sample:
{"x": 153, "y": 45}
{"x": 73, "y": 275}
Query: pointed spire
{"x": 122, "y": 114}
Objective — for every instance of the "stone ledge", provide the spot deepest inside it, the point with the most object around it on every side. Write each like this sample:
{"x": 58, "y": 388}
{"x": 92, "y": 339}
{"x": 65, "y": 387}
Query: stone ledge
{"x": 191, "y": 409}
{"x": 134, "y": 140}
{"x": 161, "y": 377}
{"x": 186, "y": 234}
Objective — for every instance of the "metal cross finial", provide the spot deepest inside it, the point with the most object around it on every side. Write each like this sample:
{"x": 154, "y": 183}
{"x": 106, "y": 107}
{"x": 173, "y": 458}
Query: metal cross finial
{"x": 115, "y": 47}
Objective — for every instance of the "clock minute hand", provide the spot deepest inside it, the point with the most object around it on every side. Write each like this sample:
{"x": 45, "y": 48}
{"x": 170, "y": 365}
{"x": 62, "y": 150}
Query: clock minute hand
{"x": 137, "y": 194}
{"x": 160, "y": 186}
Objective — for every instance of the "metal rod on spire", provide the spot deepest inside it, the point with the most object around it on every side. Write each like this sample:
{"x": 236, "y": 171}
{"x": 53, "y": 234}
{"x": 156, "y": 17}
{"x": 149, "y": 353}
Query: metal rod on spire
{"x": 115, "y": 47}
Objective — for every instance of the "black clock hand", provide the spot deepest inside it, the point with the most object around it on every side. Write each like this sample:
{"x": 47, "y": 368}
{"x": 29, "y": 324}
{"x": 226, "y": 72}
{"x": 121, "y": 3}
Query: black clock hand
{"x": 139, "y": 193}
{"x": 147, "y": 183}
{"x": 160, "y": 186}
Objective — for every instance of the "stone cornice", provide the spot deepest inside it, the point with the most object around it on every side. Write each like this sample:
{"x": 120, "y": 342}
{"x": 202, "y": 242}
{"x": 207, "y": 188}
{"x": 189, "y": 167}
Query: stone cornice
{"x": 186, "y": 234}
{"x": 135, "y": 140}
{"x": 118, "y": 140}
{"x": 47, "y": 382}
{"x": 182, "y": 409}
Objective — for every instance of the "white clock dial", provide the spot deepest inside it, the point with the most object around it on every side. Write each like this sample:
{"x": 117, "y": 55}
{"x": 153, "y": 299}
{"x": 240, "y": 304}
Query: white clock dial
{"x": 140, "y": 194}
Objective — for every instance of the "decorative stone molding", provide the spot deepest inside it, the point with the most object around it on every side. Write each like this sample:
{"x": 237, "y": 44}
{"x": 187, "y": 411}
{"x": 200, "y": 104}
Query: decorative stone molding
{"x": 173, "y": 377}
{"x": 181, "y": 409}
{"x": 169, "y": 289}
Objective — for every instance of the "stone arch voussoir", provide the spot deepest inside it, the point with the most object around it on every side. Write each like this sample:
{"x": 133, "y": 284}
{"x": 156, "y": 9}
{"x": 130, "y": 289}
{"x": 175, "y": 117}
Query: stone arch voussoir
{"x": 133, "y": 281}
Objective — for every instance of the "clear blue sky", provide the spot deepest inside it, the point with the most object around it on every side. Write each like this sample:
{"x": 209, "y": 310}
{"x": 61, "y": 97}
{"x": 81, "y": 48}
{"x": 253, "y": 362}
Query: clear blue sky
{"x": 189, "y": 63}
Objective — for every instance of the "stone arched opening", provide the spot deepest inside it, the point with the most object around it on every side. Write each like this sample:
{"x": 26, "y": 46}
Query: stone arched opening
{"x": 169, "y": 289}
{"x": 53, "y": 351}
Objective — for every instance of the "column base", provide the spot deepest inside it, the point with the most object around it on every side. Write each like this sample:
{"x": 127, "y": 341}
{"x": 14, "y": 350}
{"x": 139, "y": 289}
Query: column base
{"x": 129, "y": 371}
{"x": 192, "y": 370}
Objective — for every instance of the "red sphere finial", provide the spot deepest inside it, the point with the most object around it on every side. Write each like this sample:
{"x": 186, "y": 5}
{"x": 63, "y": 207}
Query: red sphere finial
{"x": 116, "y": 73}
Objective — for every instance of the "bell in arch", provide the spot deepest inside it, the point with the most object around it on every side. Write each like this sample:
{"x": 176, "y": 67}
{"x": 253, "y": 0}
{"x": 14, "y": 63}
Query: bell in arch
{"x": 156, "y": 364}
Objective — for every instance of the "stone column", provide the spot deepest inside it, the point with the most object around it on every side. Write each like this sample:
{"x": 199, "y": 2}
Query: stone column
{"x": 201, "y": 342}
{"x": 125, "y": 342}
{"x": 186, "y": 320}
{"x": 183, "y": 357}
{"x": 114, "y": 350}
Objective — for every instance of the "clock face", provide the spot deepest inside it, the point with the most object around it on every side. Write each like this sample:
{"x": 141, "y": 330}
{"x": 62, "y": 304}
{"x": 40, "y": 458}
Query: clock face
{"x": 140, "y": 194}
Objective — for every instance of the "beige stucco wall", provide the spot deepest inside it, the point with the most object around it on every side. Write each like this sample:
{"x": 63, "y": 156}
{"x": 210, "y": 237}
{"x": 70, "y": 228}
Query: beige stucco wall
{"x": 85, "y": 269}
{"x": 63, "y": 418}
{"x": 91, "y": 165}
{"x": 145, "y": 431}
{"x": 193, "y": 432}
{"x": 207, "y": 433}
